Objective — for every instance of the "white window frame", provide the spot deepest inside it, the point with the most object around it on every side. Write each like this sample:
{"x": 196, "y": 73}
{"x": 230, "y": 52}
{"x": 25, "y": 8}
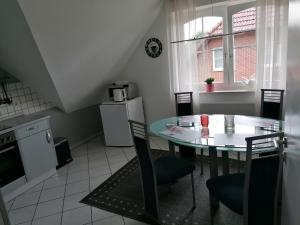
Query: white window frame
{"x": 231, "y": 10}
{"x": 228, "y": 51}
{"x": 220, "y": 12}
{"x": 217, "y": 69}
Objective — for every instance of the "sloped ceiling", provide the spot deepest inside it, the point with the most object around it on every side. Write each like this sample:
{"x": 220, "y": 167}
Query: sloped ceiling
{"x": 85, "y": 44}
{"x": 19, "y": 54}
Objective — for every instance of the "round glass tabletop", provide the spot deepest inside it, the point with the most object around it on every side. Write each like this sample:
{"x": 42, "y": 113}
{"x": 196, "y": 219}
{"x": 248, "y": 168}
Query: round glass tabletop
{"x": 226, "y": 132}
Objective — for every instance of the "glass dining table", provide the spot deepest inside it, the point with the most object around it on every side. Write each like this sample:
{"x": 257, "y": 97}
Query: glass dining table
{"x": 225, "y": 133}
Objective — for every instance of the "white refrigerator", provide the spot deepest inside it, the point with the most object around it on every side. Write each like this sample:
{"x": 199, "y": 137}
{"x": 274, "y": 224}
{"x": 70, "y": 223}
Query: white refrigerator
{"x": 115, "y": 116}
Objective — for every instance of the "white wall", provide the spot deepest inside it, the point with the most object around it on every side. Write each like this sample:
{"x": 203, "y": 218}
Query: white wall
{"x": 152, "y": 74}
{"x": 75, "y": 126}
{"x": 228, "y": 102}
{"x": 85, "y": 44}
{"x": 19, "y": 54}
{"x": 152, "y": 77}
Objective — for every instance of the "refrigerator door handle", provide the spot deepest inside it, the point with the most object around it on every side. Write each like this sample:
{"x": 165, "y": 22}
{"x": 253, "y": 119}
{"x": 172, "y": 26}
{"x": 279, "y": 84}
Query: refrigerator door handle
{"x": 48, "y": 136}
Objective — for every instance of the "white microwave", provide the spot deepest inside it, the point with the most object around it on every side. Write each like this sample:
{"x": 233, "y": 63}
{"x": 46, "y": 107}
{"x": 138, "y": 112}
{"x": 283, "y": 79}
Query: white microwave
{"x": 130, "y": 89}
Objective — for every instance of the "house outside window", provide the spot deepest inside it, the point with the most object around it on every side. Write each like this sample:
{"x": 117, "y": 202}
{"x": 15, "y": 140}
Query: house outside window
{"x": 218, "y": 59}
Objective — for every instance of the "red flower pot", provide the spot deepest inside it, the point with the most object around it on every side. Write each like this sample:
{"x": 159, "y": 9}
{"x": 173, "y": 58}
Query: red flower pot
{"x": 210, "y": 87}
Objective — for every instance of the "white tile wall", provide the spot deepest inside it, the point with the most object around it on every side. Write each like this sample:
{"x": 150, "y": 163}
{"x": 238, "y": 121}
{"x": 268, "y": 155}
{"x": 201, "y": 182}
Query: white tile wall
{"x": 25, "y": 101}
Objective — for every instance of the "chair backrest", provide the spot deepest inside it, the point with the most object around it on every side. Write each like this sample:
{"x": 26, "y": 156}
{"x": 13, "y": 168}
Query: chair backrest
{"x": 147, "y": 170}
{"x": 272, "y": 103}
{"x": 262, "y": 180}
{"x": 184, "y": 103}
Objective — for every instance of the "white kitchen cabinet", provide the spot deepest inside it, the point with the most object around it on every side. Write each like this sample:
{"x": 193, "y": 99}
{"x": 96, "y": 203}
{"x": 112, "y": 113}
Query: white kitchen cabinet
{"x": 4, "y": 220}
{"x": 115, "y": 116}
{"x": 36, "y": 148}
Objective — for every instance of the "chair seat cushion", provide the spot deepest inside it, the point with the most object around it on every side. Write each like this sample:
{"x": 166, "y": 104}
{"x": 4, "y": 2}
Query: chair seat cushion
{"x": 229, "y": 190}
{"x": 169, "y": 168}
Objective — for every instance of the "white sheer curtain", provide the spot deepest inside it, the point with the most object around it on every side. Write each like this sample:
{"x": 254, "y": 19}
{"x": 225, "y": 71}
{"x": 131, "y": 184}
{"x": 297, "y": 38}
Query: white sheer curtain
{"x": 183, "y": 56}
{"x": 272, "y": 21}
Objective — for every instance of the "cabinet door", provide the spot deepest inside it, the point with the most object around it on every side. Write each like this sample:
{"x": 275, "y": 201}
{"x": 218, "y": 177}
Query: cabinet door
{"x": 115, "y": 125}
{"x": 136, "y": 110}
{"x": 38, "y": 154}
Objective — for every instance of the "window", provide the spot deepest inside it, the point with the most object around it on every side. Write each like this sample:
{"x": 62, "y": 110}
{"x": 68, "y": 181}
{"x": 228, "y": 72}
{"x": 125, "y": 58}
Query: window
{"x": 210, "y": 60}
{"x": 243, "y": 45}
{"x": 218, "y": 59}
{"x": 230, "y": 59}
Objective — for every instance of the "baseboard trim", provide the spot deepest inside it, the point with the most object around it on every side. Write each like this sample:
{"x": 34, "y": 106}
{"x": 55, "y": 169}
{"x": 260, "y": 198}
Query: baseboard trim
{"x": 77, "y": 144}
{"x": 29, "y": 185}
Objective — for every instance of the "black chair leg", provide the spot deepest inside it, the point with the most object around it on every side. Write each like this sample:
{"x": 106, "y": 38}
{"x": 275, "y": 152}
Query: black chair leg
{"x": 213, "y": 208}
{"x": 193, "y": 190}
{"x": 239, "y": 161}
{"x": 201, "y": 161}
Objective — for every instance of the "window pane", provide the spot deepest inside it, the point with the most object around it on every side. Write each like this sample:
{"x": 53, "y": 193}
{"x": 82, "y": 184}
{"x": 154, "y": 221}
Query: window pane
{"x": 218, "y": 59}
{"x": 244, "y": 45}
{"x": 209, "y": 50}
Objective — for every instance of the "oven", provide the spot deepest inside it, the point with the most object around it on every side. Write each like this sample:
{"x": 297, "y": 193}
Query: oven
{"x": 11, "y": 166}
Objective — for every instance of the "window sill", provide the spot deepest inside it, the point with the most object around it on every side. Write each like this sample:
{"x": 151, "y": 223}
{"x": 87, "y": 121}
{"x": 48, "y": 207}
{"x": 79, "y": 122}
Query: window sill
{"x": 227, "y": 97}
{"x": 226, "y": 91}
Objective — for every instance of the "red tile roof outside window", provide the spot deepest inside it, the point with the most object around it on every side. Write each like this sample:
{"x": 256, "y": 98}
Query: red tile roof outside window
{"x": 242, "y": 21}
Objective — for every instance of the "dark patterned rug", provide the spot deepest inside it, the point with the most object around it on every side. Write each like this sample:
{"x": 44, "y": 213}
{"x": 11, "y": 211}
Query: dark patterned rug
{"x": 122, "y": 194}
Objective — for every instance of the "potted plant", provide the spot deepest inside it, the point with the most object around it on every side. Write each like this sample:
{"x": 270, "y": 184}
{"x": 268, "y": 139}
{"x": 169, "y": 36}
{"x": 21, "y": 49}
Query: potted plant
{"x": 209, "y": 84}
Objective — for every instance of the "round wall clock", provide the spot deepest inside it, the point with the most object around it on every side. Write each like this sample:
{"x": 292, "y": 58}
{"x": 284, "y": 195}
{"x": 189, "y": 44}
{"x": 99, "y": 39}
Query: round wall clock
{"x": 153, "y": 47}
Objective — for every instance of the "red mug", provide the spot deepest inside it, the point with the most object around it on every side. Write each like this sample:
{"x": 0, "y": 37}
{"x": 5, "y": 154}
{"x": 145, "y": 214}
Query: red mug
{"x": 204, "y": 120}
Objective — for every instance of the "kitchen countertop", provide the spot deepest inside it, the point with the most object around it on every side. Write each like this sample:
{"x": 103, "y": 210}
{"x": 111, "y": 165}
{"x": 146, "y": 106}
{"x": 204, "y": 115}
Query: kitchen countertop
{"x": 19, "y": 121}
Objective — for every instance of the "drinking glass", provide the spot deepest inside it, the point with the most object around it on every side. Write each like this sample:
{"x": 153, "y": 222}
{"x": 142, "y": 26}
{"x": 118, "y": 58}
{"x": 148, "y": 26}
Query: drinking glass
{"x": 229, "y": 122}
{"x": 205, "y": 132}
{"x": 204, "y": 120}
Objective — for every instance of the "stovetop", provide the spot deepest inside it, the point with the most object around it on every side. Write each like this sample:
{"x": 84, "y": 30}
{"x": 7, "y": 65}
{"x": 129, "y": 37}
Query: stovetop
{"x": 4, "y": 127}
{"x": 6, "y": 137}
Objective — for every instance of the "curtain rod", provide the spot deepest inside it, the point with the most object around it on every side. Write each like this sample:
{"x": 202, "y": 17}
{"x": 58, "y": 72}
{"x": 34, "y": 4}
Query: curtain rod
{"x": 211, "y": 37}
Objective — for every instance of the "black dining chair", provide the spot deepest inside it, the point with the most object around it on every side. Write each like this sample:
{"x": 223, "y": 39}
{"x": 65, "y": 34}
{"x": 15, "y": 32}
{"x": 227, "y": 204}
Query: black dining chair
{"x": 271, "y": 107}
{"x": 272, "y": 103}
{"x": 255, "y": 193}
{"x": 184, "y": 103}
{"x": 162, "y": 171}
{"x": 184, "y": 107}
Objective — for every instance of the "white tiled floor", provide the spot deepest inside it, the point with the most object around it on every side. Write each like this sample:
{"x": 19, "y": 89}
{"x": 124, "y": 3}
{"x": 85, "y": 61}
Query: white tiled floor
{"x": 56, "y": 200}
